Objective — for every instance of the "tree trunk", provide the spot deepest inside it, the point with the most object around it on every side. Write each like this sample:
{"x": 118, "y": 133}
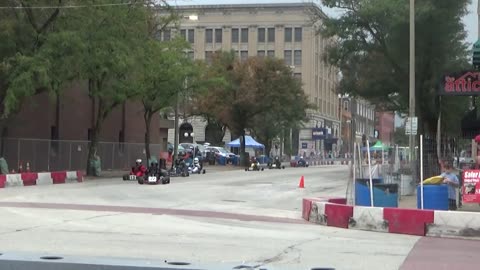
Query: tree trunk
{"x": 92, "y": 150}
{"x": 243, "y": 156}
{"x": 268, "y": 147}
{"x": 147, "y": 116}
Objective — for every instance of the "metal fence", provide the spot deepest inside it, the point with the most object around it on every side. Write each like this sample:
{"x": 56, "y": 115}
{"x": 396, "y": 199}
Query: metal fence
{"x": 49, "y": 155}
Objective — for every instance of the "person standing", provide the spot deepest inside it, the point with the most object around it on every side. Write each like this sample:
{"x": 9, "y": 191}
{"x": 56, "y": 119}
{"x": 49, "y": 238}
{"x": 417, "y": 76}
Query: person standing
{"x": 452, "y": 181}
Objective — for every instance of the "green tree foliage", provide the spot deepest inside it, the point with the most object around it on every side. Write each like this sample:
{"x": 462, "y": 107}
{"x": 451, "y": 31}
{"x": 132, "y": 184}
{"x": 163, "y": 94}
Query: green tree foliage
{"x": 286, "y": 110}
{"x": 371, "y": 48}
{"x": 251, "y": 89}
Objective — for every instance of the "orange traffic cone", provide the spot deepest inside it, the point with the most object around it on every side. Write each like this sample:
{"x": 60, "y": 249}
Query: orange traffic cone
{"x": 302, "y": 182}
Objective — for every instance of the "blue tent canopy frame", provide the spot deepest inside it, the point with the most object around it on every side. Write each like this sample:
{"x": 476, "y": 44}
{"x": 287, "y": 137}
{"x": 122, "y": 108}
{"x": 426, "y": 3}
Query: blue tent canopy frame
{"x": 249, "y": 142}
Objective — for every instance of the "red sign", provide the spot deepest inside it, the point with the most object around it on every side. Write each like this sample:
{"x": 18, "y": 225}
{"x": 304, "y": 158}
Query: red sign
{"x": 461, "y": 84}
{"x": 471, "y": 186}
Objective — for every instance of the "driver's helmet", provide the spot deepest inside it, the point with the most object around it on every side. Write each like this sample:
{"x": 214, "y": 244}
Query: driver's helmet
{"x": 276, "y": 158}
{"x": 195, "y": 160}
{"x": 301, "y": 157}
{"x": 138, "y": 161}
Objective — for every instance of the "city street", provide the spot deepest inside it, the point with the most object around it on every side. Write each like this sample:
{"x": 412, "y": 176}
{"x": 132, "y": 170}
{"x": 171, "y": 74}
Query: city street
{"x": 249, "y": 218}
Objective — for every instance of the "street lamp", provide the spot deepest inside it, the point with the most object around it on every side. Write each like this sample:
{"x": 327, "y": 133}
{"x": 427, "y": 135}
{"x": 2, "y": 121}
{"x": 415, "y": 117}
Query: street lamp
{"x": 192, "y": 17}
{"x": 412, "y": 75}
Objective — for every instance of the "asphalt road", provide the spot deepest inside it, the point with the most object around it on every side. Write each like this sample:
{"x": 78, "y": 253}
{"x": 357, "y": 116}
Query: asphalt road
{"x": 237, "y": 217}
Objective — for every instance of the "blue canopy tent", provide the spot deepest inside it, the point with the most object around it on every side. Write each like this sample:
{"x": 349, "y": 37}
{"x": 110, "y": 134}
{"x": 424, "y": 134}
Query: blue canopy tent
{"x": 249, "y": 142}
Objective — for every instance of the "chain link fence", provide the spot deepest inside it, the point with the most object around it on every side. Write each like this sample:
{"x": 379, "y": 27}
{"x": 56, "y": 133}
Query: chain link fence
{"x": 49, "y": 155}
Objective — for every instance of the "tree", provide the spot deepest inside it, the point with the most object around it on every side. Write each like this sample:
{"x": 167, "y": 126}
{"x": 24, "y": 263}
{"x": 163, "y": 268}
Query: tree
{"x": 287, "y": 110}
{"x": 370, "y": 46}
{"x": 251, "y": 88}
{"x": 165, "y": 67}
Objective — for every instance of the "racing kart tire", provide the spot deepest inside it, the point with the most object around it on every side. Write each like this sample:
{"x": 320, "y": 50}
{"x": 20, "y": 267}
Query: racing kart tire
{"x": 126, "y": 177}
{"x": 246, "y": 169}
{"x": 204, "y": 171}
{"x": 261, "y": 169}
{"x": 140, "y": 180}
{"x": 283, "y": 167}
{"x": 165, "y": 180}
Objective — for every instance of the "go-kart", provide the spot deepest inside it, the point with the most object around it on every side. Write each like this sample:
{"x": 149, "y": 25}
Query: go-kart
{"x": 135, "y": 174}
{"x": 276, "y": 165}
{"x": 302, "y": 163}
{"x": 196, "y": 169}
{"x": 254, "y": 166}
{"x": 154, "y": 179}
{"x": 180, "y": 169}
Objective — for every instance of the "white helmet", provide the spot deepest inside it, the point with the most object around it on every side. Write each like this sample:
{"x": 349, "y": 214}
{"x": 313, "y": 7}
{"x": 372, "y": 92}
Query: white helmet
{"x": 138, "y": 161}
{"x": 195, "y": 160}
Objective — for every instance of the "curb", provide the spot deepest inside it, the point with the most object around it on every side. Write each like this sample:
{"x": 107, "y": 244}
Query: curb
{"x": 36, "y": 179}
{"x": 334, "y": 212}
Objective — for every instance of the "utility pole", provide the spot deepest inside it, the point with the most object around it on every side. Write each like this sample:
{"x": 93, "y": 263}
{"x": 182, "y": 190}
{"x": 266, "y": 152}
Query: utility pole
{"x": 412, "y": 76}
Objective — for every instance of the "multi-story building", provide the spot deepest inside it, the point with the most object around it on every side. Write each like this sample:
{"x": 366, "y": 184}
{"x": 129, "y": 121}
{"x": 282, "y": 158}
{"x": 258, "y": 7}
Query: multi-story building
{"x": 283, "y": 31}
{"x": 385, "y": 126}
{"x": 346, "y": 135}
{"x": 363, "y": 118}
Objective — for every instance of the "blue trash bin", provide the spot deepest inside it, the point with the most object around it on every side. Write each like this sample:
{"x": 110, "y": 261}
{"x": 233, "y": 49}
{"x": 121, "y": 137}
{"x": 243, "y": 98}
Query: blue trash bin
{"x": 384, "y": 195}
{"x": 222, "y": 160}
{"x": 435, "y": 197}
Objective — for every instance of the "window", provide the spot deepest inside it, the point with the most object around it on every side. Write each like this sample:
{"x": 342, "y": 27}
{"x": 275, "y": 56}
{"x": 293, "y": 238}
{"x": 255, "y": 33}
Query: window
{"x": 218, "y": 35}
{"x": 287, "y": 57}
{"x": 288, "y": 34}
{"x": 271, "y": 35}
{"x": 209, "y": 35}
{"x": 271, "y": 53}
{"x": 297, "y": 58}
{"x": 191, "y": 55}
{"x": 183, "y": 34}
{"x": 167, "y": 34}
{"x": 243, "y": 55}
{"x": 345, "y": 105}
{"x": 191, "y": 35}
{"x": 261, "y": 54}
{"x": 244, "y": 35}
{"x": 208, "y": 57}
{"x": 261, "y": 35}
{"x": 298, "y": 34}
{"x": 235, "y": 33}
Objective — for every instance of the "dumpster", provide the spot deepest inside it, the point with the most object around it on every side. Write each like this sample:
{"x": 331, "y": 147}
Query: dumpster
{"x": 384, "y": 195}
{"x": 435, "y": 197}
{"x": 221, "y": 160}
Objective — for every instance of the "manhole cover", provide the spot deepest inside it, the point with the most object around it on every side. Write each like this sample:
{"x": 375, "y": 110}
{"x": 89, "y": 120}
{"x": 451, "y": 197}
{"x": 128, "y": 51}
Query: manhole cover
{"x": 178, "y": 263}
{"x": 51, "y": 258}
{"x": 232, "y": 201}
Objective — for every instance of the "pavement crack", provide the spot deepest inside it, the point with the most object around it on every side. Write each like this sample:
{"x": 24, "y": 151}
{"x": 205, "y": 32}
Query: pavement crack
{"x": 290, "y": 249}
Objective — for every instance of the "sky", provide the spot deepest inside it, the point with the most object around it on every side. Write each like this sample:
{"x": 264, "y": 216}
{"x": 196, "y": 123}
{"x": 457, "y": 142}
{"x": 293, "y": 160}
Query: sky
{"x": 470, "y": 20}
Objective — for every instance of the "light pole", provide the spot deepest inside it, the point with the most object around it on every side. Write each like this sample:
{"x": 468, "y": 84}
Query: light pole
{"x": 412, "y": 76}
{"x": 192, "y": 17}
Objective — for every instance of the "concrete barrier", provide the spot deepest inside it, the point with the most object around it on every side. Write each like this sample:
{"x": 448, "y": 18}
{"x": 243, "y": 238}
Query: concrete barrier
{"x": 317, "y": 213}
{"x": 451, "y": 223}
{"x": 46, "y": 178}
{"x": 368, "y": 219}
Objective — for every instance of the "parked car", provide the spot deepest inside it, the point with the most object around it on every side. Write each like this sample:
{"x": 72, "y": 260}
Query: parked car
{"x": 194, "y": 147}
{"x": 220, "y": 152}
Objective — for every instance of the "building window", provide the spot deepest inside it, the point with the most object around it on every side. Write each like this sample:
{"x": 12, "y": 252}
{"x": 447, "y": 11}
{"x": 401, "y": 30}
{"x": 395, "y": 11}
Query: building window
{"x": 271, "y": 53}
{"x": 261, "y": 35}
{"x": 218, "y": 36}
{"x": 297, "y": 58}
{"x": 243, "y": 55}
{"x": 167, "y": 34}
{"x": 298, "y": 34}
{"x": 191, "y": 35}
{"x": 209, "y": 35}
{"x": 235, "y": 35}
{"x": 261, "y": 54}
{"x": 345, "y": 105}
{"x": 208, "y": 57}
{"x": 288, "y": 34}
{"x": 244, "y": 35}
{"x": 297, "y": 76}
{"x": 287, "y": 57}
{"x": 191, "y": 55}
{"x": 271, "y": 35}
{"x": 183, "y": 34}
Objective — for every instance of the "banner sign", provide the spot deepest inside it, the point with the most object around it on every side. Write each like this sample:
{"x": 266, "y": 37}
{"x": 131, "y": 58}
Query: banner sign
{"x": 465, "y": 83}
{"x": 471, "y": 186}
{"x": 318, "y": 133}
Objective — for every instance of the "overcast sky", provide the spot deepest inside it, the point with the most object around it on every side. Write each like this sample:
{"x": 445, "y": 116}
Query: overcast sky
{"x": 470, "y": 20}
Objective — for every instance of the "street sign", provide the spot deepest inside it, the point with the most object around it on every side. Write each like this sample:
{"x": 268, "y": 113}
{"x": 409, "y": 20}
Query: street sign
{"x": 411, "y": 126}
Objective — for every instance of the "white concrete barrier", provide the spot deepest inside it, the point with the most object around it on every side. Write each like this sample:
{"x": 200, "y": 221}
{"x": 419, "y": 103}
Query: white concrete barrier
{"x": 44, "y": 179}
{"x": 72, "y": 176}
{"x": 368, "y": 219}
{"x": 14, "y": 180}
{"x": 453, "y": 223}
{"x": 317, "y": 214}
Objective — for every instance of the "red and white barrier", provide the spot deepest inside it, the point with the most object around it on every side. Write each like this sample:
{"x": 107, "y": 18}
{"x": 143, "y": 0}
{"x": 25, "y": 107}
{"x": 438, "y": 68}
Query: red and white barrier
{"x": 335, "y": 213}
{"x": 33, "y": 179}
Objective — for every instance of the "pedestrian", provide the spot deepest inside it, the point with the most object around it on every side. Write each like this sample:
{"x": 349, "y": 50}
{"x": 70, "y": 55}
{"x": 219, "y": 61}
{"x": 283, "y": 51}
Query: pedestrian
{"x": 451, "y": 180}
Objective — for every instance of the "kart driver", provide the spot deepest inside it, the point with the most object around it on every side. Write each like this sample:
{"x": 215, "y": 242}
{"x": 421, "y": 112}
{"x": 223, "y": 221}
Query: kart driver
{"x": 138, "y": 169}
